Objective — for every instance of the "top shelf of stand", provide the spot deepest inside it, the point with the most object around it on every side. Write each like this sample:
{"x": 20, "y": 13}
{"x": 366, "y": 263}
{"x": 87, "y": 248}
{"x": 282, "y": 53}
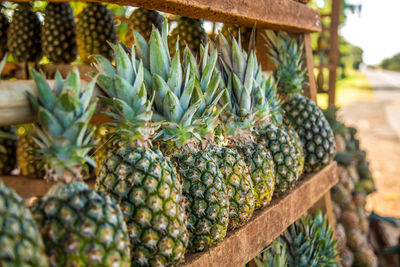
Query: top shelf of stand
{"x": 286, "y": 15}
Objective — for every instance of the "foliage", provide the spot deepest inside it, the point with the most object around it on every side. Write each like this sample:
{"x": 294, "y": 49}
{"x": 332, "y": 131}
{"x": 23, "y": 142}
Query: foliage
{"x": 392, "y": 63}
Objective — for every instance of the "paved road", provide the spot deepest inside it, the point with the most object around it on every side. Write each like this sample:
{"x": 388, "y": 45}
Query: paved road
{"x": 378, "y": 122}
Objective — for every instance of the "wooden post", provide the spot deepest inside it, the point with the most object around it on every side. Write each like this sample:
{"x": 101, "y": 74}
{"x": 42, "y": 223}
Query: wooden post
{"x": 311, "y": 91}
{"x": 334, "y": 50}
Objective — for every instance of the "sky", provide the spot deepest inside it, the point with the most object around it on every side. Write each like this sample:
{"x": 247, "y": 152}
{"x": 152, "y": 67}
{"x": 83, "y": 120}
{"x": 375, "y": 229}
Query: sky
{"x": 376, "y": 30}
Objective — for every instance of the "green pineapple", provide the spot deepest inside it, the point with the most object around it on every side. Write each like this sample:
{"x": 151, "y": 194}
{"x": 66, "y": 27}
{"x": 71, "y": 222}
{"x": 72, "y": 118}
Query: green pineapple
{"x": 139, "y": 177}
{"x": 20, "y": 240}
{"x": 233, "y": 29}
{"x": 188, "y": 115}
{"x": 28, "y": 160}
{"x": 4, "y": 24}
{"x": 8, "y": 147}
{"x": 80, "y": 226}
{"x": 304, "y": 244}
{"x": 300, "y": 112}
{"x": 59, "y": 37}
{"x": 189, "y": 32}
{"x": 231, "y": 164}
{"x": 242, "y": 115}
{"x": 284, "y": 144}
{"x": 94, "y": 29}
{"x": 142, "y": 20}
{"x": 274, "y": 255}
{"x": 24, "y": 35}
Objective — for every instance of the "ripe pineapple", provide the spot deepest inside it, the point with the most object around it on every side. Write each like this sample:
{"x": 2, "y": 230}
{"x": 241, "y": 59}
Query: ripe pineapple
{"x": 300, "y": 112}
{"x": 190, "y": 32}
{"x": 233, "y": 29}
{"x": 28, "y": 160}
{"x": 59, "y": 37}
{"x": 231, "y": 164}
{"x": 4, "y": 24}
{"x": 142, "y": 20}
{"x": 80, "y": 226}
{"x": 24, "y": 35}
{"x": 283, "y": 143}
{"x": 20, "y": 240}
{"x": 8, "y": 145}
{"x": 94, "y": 29}
{"x": 104, "y": 145}
{"x": 241, "y": 116}
{"x": 179, "y": 103}
{"x": 139, "y": 177}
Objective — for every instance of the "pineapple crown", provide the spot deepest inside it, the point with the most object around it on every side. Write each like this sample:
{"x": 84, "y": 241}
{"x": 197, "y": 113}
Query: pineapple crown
{"x": 287, "y": 55}
{"x": 181, "y": 100}
{"x": 242, "y": 78}
{"x": 274, "y": 255}
{"x": 62, "y": 132}
{"x": 310, "y": 242}
{"x": 125, "y": 95}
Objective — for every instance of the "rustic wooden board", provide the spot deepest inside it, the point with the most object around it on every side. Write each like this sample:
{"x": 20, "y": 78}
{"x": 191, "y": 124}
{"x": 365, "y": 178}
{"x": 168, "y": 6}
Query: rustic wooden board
{"x": 285, "y": 15}
{"x": 243, "y": 244}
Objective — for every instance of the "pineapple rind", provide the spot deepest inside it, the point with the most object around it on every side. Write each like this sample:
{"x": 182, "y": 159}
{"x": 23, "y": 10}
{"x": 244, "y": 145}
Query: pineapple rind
{"x": 8, "y": 160}
{"x": 4, "y": 24}
{"x": 147, "y": 188}
{"x": 142, "y": 20}
{"x": 81, "y": 227}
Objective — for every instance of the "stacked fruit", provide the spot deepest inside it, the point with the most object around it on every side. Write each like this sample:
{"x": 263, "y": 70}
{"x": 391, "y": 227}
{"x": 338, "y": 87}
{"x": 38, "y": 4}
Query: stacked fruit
{"x": 197, "y": 144}
{"x": 349, "y": 195}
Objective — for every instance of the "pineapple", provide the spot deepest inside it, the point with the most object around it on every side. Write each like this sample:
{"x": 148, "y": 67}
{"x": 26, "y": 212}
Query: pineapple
{"x": 94, "y": 29}
{"x": 28, "y": 161}
{"x": 8, "y": 145}
{"x": 104, "y": 145}
{"x": 274, "y": 255}
{"x": 187, "y": 119}
{"x": 284, "y": 144}
{"x": 300, "y": 112}
{"x": 231, "y": 164}
{"x": 304, "y": 246}
{"x": 189, "y": 32}
{"x": 142, "y": 20}
{"x": 242, "y": 115}
{"x": 20, "y": 240}
{"x": 80, "y": 226}
{"x": 139, "y": 177}
{"x": 234, "y": 30}
{"x": 4, "y": 24}
{"x": 24, "y": 35}
{"x": 58, "y": 37}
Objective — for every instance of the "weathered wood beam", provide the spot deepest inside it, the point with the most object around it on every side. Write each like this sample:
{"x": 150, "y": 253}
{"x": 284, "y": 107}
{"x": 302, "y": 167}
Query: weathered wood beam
{"x": 286, "y": 15}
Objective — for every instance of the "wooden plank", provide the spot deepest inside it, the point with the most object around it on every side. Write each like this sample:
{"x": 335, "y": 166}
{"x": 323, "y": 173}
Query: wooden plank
{"x": 28, "y": 187}
{"x": 334, "y": 50}
{"x": 311, "y": 90}
{"x": 243, "y": 244}
{"x": 285, "y": 15}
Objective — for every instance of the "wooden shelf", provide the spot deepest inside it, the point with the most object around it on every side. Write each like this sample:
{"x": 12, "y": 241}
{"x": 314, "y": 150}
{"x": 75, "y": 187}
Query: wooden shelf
{"x": 285, "y": 15}
{"x": 243, "y": 244}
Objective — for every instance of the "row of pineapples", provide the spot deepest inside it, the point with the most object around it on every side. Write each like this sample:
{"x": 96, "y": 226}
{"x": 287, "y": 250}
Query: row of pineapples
{"x": 198, "y": 144}
{"x": 60, "y": 38}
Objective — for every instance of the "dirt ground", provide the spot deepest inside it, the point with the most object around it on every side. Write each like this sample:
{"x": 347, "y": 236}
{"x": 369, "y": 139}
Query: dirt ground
{"x": 378, "y": 124}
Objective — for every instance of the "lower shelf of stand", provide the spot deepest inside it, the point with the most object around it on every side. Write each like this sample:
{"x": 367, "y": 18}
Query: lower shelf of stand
{"x": 243, "y": 244}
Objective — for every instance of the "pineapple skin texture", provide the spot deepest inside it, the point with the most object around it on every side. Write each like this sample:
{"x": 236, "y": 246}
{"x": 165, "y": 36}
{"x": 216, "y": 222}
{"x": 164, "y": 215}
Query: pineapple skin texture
{"x": 20, "y": 240}
{"x": 142, "y": 20}
{"x": 239, "y": 185}
{"x": 206, "y": 193}
{"x": 287, "y": 156}
{"x": 24, "y": 36}
{"x": 27, "y": 159}
{"x": 59, "y": 37}
{"x": 82, "y": 227}
{"x": 8, "y": 160}
{"x": 146, "y": 186}
{"x": 261, "y": 166}
{"x": 94, "y": 28}
{"x": 313, "y": 129}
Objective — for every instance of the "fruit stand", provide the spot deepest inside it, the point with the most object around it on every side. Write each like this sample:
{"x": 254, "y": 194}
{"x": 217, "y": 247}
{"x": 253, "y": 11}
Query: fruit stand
{"x": 243, "y": 244}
